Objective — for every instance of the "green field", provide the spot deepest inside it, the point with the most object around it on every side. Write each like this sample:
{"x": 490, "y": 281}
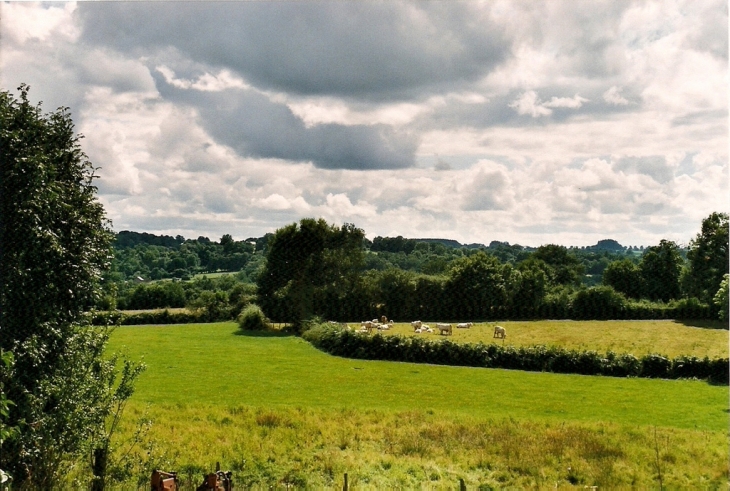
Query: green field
{"x": 667, "y": 337}
{"x": 289, "y": 410}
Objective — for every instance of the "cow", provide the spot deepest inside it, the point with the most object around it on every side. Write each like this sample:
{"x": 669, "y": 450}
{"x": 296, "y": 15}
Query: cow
{"x": 416, "y": 325}
{"x": 464, "y": 325}
{"x": 500, "y": 332}
{"x": 367, "y": 326}
{"x": 444, "y": 328}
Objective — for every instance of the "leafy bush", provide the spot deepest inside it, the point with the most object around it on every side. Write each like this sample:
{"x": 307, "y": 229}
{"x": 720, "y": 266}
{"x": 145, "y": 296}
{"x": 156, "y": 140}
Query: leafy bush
{"x": 253, "y": 319}
{"x": 600, "y": 302}
{"x": 690, "y": 308}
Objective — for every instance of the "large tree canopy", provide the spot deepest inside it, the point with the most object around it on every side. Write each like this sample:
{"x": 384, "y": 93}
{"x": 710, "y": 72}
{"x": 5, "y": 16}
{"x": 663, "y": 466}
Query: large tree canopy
{"x": 708, "y": 258}
{"x": 660, "y": 269}
{"x": 54, "y": 245}
{"x": 308, "y": 264}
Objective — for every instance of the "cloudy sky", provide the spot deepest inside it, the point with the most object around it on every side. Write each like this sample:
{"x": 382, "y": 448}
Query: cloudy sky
{"x": 531, "y": 122}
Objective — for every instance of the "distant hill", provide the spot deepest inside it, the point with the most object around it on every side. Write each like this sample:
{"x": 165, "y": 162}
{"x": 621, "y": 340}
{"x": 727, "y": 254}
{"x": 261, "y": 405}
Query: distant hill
{"x": 608, "y": 245}
{"x": 445, "y": 242}
{"x": 126, "y": 238}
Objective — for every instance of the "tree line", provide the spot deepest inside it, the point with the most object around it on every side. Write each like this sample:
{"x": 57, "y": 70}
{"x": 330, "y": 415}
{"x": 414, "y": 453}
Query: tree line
{"x": 314, "y": 268}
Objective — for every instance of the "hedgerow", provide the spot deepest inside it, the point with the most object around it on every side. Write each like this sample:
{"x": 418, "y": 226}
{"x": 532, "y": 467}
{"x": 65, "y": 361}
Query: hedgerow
{"x": 349, "y": 344}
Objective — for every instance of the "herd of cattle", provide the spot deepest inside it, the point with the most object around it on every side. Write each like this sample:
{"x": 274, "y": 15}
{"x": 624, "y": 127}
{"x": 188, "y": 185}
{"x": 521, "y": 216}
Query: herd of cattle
{"x": 383, "y": 324}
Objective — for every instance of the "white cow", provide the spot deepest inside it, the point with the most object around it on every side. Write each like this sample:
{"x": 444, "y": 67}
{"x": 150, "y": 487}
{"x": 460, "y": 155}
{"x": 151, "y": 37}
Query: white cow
{"x": 444, "y": 328}
{"x": 416, "y": 325}
{"x": 464, "y": 325}
{"x": 500, "y": 332}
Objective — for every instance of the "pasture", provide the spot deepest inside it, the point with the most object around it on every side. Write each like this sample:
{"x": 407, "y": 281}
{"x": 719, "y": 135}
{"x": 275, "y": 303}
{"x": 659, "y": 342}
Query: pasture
{"x": 279, "y": 412}
{"x": 666, "y": 337}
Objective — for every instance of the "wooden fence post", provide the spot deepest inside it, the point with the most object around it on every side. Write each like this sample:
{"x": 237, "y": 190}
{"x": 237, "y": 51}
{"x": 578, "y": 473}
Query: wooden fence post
{"x": 345, "y": 488}
{"x": 462, "y": 486}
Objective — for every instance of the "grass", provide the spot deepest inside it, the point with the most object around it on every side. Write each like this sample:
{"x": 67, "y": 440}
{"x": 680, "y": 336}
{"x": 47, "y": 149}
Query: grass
{"x": 666, "y": 337}
{"x": 215, "y": 274}
{"x": 298, "y": 416}
{"x": 172, "y": 310}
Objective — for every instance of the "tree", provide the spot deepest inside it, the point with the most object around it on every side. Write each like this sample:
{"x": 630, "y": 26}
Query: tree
{"x": 708, "y": 258}
{"x": 476, "y": 287}
{"x": 721, "y": 299}
{"x": 54, "y": 245}
{"x": 528, "y": 287}
{"x": 625, "y": 277}
{"x": 309, "y": 265}
{"x": 660, "y": 269}
{"x": 565, "y": 268}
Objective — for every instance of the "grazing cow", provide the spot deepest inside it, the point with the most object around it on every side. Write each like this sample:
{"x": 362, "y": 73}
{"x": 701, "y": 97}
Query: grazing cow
{"x": 500, "y": 332}
{"x": 368, "y": 326}
{"x": 464, "y": 325}
{"x": 416, "y": 325}
{"x": 444, "y": 329}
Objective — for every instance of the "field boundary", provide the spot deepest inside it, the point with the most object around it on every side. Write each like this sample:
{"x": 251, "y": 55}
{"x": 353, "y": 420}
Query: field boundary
{"x": 343, "y": 342}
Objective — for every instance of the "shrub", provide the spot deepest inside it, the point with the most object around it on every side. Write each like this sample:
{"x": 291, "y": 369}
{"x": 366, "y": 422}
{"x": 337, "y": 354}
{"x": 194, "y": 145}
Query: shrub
{"x": 600, "y": 302}
{"x": 253, "y": 319}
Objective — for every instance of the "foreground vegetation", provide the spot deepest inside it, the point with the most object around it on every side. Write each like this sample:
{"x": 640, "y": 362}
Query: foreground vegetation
{"x": 276, "y": 411}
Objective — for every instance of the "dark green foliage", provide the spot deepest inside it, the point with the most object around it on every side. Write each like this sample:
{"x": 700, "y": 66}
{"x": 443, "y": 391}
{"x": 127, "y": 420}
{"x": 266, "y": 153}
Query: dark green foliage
{"x": 476, "y": 287}
{"x": 393, "y": 244}
{"x": 126, "y": 239}
{"x": 253, "y": 319}
{"x": 625, "y": 277}
{"x": 308, "y": 266}
{"x": 165, "y": 294}
{"x": 660, "y": 269}
{"x": 342, "y": 342}
{"x": 721, "y": 299}
{"x": 708, "y": 258}
{"x": 54, "y": 246}
{"x": 600, "y": 302}
{"x": 528, "y": 288}
{"x": 145, "y": 318}
{"x": 564, "y": 267}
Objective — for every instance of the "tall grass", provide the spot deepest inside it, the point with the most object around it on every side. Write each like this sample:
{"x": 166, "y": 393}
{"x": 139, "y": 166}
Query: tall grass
{"x": 313, "y": 448}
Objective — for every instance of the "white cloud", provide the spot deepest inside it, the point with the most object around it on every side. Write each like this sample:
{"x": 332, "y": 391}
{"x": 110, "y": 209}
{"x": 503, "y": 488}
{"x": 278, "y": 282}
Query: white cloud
{"x": 206, "y": 82}
{"x": 613, "y": 96}
{"x": 570, "y": 102}
{"x": 529, "y": 103}
{"x": 21, "y": 22}
{"x": 274, "y": 202}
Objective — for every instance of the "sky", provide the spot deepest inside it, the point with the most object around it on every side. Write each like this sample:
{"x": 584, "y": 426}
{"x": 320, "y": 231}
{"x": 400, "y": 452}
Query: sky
{"x": 531, "y": 122}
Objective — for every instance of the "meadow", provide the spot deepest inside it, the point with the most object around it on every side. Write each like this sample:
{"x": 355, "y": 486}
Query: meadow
{"x": 666, "y": 337}
{"x": 278, "y": 412}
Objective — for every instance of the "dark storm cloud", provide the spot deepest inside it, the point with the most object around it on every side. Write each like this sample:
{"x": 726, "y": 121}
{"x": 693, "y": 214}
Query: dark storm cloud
{"x": 254, "y": 126}
{"x": 349, "y": 49}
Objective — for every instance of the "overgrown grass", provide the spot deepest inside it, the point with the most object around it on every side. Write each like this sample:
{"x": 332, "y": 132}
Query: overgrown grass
{"x": 277, "y": 411}
{"x": 667, "y": 337}
{"x": 302, "y": 447}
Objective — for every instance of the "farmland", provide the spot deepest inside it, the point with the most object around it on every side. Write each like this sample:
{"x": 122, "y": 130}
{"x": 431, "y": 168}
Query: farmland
{"x": 298, "y": 416}
{"x": 667, "y": 337}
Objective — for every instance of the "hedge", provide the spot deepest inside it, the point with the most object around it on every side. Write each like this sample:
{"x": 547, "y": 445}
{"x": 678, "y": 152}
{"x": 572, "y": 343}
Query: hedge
{"x": 156, "y": 317}
{"x": 342, "y": 342}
